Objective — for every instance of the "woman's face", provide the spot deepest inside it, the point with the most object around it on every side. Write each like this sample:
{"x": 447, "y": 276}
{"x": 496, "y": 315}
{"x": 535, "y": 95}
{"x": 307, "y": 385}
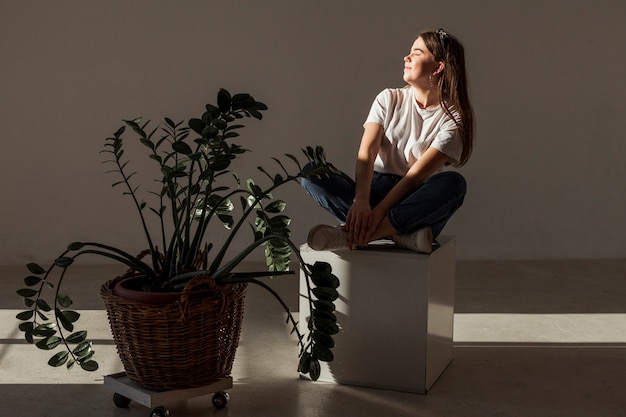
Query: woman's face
{"x": 419, "y": 65}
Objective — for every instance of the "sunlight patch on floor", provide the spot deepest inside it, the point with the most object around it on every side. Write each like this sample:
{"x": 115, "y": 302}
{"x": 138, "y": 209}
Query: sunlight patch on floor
{"x": 540, "y": 328}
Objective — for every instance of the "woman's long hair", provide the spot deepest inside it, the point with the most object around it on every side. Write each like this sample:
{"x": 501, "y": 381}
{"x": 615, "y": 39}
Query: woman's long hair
{"x": 452, "y": 85}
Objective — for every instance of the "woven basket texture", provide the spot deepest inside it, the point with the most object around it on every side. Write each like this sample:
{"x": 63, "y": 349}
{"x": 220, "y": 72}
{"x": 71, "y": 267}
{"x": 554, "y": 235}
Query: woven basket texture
{"x": 185, "y": 344}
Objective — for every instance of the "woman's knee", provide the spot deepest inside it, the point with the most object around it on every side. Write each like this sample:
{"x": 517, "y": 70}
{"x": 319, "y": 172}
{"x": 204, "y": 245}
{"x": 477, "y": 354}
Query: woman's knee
{"x": 453, "y": 181}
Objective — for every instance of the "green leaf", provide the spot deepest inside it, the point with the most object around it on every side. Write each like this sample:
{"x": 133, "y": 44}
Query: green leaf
{"x": 32, "y": 280}
{"x": 323, "y": 339}
{"x": 119, "y": 131}
{"x": 72, "y": 316}
{"x": 323, "y": 314}
{"x": 27, "y": 292}
{"x": 177, "y": 173}
{"x": 82, "y": 349}
{"x": 304, "y": 365}
{"x": 220, "y": 164}
{"x": 227, "y": 220}
{"x": 309, "y": 152}
{"x": 77, "y": 337}
{"x": 257, "y": 105}
{"x": 45, "y": 330}
{"x": 230, "y": 135}
{"x": 241, "y": 101}
{"x": 295, "y": 160}
{"x": 279, "y": 222}
{"x": 322, "y": 353}
{"x": 170, "y": 122}
{"x": 233, "y": 127}
{"x": 147, "y": 142}
{"x": 327, "y": 326}
{"x": 43, "y": 305}
{"x": 75, "y": 246}
{"x": 182, "y": 147}
{"x": 315, "y": 369}
{"x": 27, "y": 326}
{"x": 59, "y": 359}
{"x": 321, "y": 267}
{"x": 197, "y": 125}
{"x": 48, "y": 343}
{"x": 212, "y": 112}
{"x": 25, "y": 315}
{"x": 86, "y": 357}
{"x": 325, "y": 293}
{"x": 254, "y": 189}
{"x": 209, "y": 132}
{"x": 89, "y": 366}
{"x": 67, "y": 325}
{"x": 63, "y": 261}
{"x": 256, "y": 114}
{"x": 324, "y": 305}
{"x": 224, "y": 100}
{"x": 325, "y": 280}
{"x": 319, "y": 155}
{"x": 35, "y": 269}
{"x": 134, "y": 124}
{"x": 64, "y": 300}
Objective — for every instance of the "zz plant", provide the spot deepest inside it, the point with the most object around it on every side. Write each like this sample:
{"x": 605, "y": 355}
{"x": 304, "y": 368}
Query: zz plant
{"x": 196, "y": 186}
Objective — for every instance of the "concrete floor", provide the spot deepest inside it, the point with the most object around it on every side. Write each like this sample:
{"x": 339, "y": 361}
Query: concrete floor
{"x": 532, "y": 338}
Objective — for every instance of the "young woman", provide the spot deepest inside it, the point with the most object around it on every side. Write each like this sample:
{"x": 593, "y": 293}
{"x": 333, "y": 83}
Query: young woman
{"x": 401, "y": 190}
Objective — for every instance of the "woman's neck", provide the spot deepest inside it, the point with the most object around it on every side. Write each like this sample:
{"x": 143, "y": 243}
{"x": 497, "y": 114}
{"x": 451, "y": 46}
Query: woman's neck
{"x": 426, "y": 98}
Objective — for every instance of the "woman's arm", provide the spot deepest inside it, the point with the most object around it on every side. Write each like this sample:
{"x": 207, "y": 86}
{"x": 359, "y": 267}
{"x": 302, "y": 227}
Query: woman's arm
{"x": 359, "y": 216}
{"x": 429, "y": 162}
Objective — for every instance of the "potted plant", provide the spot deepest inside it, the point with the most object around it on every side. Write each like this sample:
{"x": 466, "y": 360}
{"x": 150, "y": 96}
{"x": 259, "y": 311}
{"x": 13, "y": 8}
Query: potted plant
{"x": 195, "y": 188}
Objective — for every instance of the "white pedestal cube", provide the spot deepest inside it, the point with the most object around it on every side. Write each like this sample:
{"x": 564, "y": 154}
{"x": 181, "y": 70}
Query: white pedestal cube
{"x": 395, "y": 312}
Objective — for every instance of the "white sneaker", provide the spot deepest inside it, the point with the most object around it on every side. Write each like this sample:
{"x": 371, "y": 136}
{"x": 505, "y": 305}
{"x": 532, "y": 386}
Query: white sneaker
{"x": 324, "y": 237}
{"x": 420, "y": 241}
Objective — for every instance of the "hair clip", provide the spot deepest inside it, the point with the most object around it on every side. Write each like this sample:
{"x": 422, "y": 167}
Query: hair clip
{"x": 443, "y": 40}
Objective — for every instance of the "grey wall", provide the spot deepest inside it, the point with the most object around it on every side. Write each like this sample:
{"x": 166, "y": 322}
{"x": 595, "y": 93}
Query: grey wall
{"x": 547, "y": 83}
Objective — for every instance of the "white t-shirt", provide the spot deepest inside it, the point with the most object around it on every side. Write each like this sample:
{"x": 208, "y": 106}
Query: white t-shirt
{"x": 408, "y": 131}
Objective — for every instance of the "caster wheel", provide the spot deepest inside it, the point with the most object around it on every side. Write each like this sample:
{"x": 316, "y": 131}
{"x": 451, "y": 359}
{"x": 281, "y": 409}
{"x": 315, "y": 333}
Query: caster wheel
{"x": 159, "y": 412}
{"x": 121, "y": 401}
{"x": 220, "y": 399}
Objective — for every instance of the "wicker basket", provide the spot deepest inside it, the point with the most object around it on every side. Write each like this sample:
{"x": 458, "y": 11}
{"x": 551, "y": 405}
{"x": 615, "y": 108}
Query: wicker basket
{"x": 186, "y": 344}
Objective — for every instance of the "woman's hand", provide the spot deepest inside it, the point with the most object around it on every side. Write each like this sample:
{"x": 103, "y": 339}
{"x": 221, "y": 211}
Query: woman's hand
{"x": 358, "y": 223}
{"x": 376, "y": 218}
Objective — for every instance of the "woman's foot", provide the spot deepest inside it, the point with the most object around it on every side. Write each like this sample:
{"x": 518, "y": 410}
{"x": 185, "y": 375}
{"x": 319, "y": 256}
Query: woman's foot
{"x": 420, "y": 241}
{"x": 324, "y": 237}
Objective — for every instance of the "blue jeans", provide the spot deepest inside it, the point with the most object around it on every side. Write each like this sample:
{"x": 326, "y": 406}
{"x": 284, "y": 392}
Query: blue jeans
{"x": 432, "y": 204}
